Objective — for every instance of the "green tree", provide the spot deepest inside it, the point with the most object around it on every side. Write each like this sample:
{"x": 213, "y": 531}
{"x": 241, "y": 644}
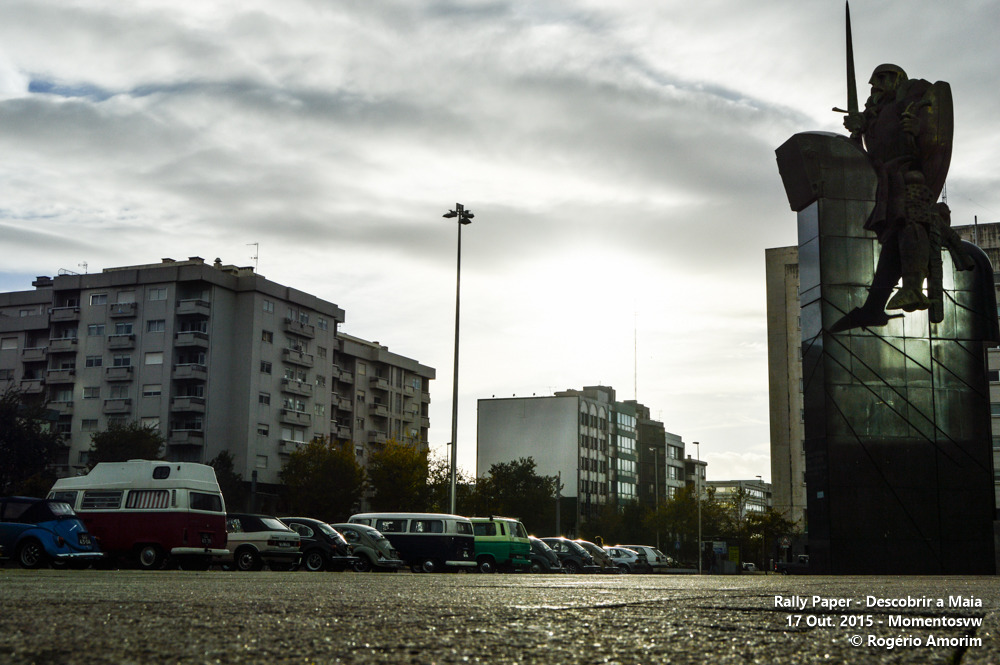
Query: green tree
{"x": 439, "y": 489}
{"x": 27, "y": 446}
{"x": 398, "y": 477}
{"x": 763, "y": 531}
{"x": 323, "y": 480}
{"x": 125, "y": 441}
{"x": 515, "y": 489}
{"x": 677, "y": 520}
{"x": 234, "y": 490}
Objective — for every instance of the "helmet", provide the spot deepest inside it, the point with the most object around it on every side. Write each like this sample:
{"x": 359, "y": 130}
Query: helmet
{"x": 887, "y": 69}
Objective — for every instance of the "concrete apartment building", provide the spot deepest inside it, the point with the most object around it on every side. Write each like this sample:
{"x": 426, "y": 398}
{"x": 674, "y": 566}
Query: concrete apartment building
{"x": 603, "y": 449}
{"x": 216, "y": 356}
{"x": 784, "y": 350}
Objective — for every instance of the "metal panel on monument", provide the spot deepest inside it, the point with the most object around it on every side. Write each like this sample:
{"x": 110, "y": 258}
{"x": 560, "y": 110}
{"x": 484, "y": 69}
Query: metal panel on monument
{"x": 898, "y": 446}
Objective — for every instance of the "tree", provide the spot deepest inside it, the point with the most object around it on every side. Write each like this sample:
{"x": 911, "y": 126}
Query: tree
{"x": 514, "y": 489}
{"x": 233, "y": 488}
{"x": 122, "y": 442}
{"x": 439, "y": 489}
{"x": 323, "y": 480}
{"x": 763, "y": 531}
{"x": 27, "y": 446}
{"x": 398, "y": 477}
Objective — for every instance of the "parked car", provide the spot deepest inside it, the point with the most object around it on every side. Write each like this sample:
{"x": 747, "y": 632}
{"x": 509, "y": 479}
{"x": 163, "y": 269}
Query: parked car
{"x": 574, "y": 558}
{"x": 658, "y": 561}
{"x": 749, "y": 567}
{"x": 39, "y": 531}
{"x": 600, "y": 556}
{"x": 323, "y": 547}
{"x": 372, "y": 550}
{"x": 629, "y": 561}
{"x": 542, "y": 558}
{"x": 501, "y": 544}
{"x": 800, "y": 566}
{"x": 258, "y": 539}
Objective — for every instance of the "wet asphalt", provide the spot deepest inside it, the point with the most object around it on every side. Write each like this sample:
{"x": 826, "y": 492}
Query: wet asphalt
{"x": 93, "y": 616}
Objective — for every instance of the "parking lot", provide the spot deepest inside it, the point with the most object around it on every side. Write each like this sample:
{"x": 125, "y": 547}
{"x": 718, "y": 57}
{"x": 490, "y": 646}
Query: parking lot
{"x": 93, "y": 616}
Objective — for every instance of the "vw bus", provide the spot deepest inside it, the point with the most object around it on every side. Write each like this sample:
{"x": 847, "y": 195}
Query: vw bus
{"x": 501, "y": 543}
{"x": 151, "y": 511}
{"x": 427, "y": 542}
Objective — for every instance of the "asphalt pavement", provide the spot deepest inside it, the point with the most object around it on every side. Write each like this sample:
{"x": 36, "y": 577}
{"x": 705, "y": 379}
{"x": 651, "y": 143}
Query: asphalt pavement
{"x": 66, "y": 617}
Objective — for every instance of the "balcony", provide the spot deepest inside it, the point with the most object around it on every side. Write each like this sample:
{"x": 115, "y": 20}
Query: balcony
{"x": 425, "y": 421}
{"x": 380, "y": 410}
{"x": 194, "y": 338}
{"x": 62, "y": 345}
{"x": 63, "y": 408}
{"x": 122, "y": 310}
{"x": 117, "y": 405}
{"x": 34, "y": 354}
{"x": 425, "y": 398}
{"x": 297, "y": 387}
{"x": 376, "y": 437}
{"x": 32, "y": 386}
{"x": 290, "y": 417}
{"x": 193, "y": 306}
{"x": 123, "y": 373}
{"x": 301, "y": 329}
{"x": 296, "y": 357}
{"x": 121, "y": 341}
{"x": 288, "y": 447}
{"x": 344, "y": 404}
{"x": 344, "y": 376}
{"x": 64, "y": 314}
{"x": 186, "y": 437}
{"x": 378, "y": 383}
{"x": 343, "y": 432}
{"x": 409, "y": 391}
{"x": 53, "y": 376}
{"x": 188, "y": 404}
{"x": 190, "y": 371}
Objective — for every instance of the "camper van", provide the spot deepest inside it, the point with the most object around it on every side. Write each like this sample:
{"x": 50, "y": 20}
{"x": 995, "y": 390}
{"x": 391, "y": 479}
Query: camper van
{"x": 428, "y": 542}
{"x": 151, "y": 511}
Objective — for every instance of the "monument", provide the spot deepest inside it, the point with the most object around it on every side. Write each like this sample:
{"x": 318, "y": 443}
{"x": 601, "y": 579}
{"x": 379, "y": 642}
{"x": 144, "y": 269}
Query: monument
{"x": 898, "y": 445}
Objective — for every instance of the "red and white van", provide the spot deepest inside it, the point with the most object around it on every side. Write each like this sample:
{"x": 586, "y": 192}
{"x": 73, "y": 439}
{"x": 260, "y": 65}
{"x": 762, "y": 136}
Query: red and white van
{"x": 151, "y": 510}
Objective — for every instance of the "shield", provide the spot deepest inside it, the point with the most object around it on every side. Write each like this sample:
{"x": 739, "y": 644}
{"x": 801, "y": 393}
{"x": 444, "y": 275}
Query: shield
{"x": 937, "y": 123}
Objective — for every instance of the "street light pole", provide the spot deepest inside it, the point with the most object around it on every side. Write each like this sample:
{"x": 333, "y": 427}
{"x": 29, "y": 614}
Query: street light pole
{"x": 656, "y": 491}
{"x": 697, "y": 481}
{"x": 464, "y": 217}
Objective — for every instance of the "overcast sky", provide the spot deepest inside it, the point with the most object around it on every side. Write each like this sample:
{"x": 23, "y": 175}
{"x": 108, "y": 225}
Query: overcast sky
{"x": 618, "y": 156}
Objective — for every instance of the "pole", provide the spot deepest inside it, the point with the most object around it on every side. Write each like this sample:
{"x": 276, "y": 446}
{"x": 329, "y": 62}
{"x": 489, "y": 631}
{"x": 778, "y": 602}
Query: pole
{"x": 656, "y": 491}
{"x": 558, "y": 501}
{"x": 454, "y": 392}
{"x": 697, "y": 480}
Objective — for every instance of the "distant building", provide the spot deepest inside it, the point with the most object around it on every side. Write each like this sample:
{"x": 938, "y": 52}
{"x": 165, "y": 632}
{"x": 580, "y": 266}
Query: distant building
{"x": 756, "y": 494}
{"x": 215, "y": 356}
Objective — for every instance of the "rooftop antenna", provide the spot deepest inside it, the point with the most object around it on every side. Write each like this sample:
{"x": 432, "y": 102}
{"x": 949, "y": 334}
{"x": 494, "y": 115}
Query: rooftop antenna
{"x": 84, "y": 266}
{"x": 256, "y": 251}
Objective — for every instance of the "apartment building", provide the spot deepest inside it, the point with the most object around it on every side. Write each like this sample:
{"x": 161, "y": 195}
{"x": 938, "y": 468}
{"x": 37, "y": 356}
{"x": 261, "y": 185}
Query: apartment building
{"x": 216, "y": 356}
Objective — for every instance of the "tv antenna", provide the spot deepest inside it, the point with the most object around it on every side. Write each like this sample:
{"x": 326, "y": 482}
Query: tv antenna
{"x": 256, "y": 251}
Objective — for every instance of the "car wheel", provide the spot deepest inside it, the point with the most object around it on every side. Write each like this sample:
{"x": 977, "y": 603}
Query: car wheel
{"x": 314, "y": 561}
{"x": 572, "y": 567}
{"x": 150, "y": 557}
{"x": 363, "y": 564}
{"x": 30, "y": 554}
{"x": 624, "y": 569}
{"x": 428, "y": 566}
{"x": 535, "y": 567}
{"x": 486, "y": 566}
{"x": 247, "y": 559}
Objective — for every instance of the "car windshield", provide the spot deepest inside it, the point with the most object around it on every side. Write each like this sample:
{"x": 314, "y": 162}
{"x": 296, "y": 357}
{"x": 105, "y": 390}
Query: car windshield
{"x": 272, "y": 524}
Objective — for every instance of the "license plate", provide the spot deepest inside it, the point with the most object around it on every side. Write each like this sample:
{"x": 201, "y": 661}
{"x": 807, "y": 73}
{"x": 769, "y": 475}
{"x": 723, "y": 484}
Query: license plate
{"x": 84, "y": 539}
{"x": 284, "y": 543}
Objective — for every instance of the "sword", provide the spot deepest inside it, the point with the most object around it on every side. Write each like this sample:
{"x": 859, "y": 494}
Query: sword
{"x": 852, "y": 86}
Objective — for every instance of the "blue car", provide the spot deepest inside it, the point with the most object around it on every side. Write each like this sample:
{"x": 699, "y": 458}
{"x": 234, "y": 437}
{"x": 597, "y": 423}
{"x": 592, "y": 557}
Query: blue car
{"x": 38, "y": 531}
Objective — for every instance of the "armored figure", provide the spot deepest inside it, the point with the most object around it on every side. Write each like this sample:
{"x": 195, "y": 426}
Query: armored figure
{"x": 907, "y": 128}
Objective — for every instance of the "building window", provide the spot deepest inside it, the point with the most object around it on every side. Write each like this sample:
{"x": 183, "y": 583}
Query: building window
{"x": 94, "y": 361}
{"x": 125, "y": 297}
{"x": 264, "y": 398}
{"x": 321, "y": 351}
{"x": 88, "y": 425}
{"x": 267, "y": 336}
{"x": 319, "y": 409}
{"x": 157, "y": 293}
{"x": 156, "y": 326}
{"x": 320, "y": 380}
{"x": 95, "y": 330}
{"x": 265, "y": 366}
{"x": 263, "y": 429}
{"x": 8, "y": 343}
{"x": 154, "y": 358}
{"x": 98, "y": 298}
{"x": 123, "y": 328}
{"x": 151, "y": 389}
{"x": 91, "y": 392}
{"x": 119, "y": 391}
{"x": 261, "y": 461}
{"x": 121, "y": 360}
{"x": 151, "y": 422}
{"x": 269, "y": 306}
{"x": 321, "y": 323}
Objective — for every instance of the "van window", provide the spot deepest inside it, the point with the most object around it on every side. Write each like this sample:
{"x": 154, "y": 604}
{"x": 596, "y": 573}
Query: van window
{"x": 391, "y": 526}
{"x": 426, "y": 526}
{"x": 68, "y": 497}
{"x": 146, "y": 499}
{"x": 464, "y": 528}
{"x": 202, "y": 501}
{"x": 484, "y": 528}
{"x": 517, "y": 530}
{"x": 161, "y": 472}
{"x": 101, "y": 500}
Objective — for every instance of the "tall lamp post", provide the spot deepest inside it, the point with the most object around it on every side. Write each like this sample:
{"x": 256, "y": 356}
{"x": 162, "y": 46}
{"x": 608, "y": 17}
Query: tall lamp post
{"x": 656, "y": 490}
{"x": 697, "y": 484}
{"x": 464, "y": 217}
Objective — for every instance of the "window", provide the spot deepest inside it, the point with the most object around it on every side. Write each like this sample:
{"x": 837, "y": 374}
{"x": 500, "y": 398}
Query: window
{"x": 88, "y": 424}
{"x": 154, "y": 358}
{"x": 123, "y": 328}
{"x": 148, "y": 499}
{"x": 261, "y": 462}
{"x": 119, "y": 391}
{"x": 95, "y": 330}
{"x": 64, "y": 395}
{"x": 8, "y": 343}
{"x": 321, "y": 351}
{"x": 267, "y": 336}
{"x": 362, "y": 369}
{"x": 150, "y": 422}
{"x": 152, "y": 389}
{"x": 98, "y": 298}
{"x": 263, "y": 429}
{"x": 264, "y": 398}
{"x": 156, "y": 326}
{"x": 91, "y": 392}
{"x": 121, "y": 360}
{"x": 265, "y": 366}
{"x": 319, "y": 409}
{"x": 321, "y": 323}
{"x": 94, "y": 361}
{"x": 426, "y": 526}
{"x": 6, "y": 374}
{"x": 303, "y": 318}
{"x": 201, "y": 501}
{"x": 101, "y": 499}
{"x": 157, "y": 293}
{"x": 269, "y": 306}
{"x": 320, "y": 380}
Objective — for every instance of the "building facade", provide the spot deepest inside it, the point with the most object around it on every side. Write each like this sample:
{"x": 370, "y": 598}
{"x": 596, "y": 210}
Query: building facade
{"x": 217, "y": 357}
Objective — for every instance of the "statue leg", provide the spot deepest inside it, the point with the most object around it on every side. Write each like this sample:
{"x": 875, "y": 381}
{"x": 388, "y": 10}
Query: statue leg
{"x": 914, "y": 255}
